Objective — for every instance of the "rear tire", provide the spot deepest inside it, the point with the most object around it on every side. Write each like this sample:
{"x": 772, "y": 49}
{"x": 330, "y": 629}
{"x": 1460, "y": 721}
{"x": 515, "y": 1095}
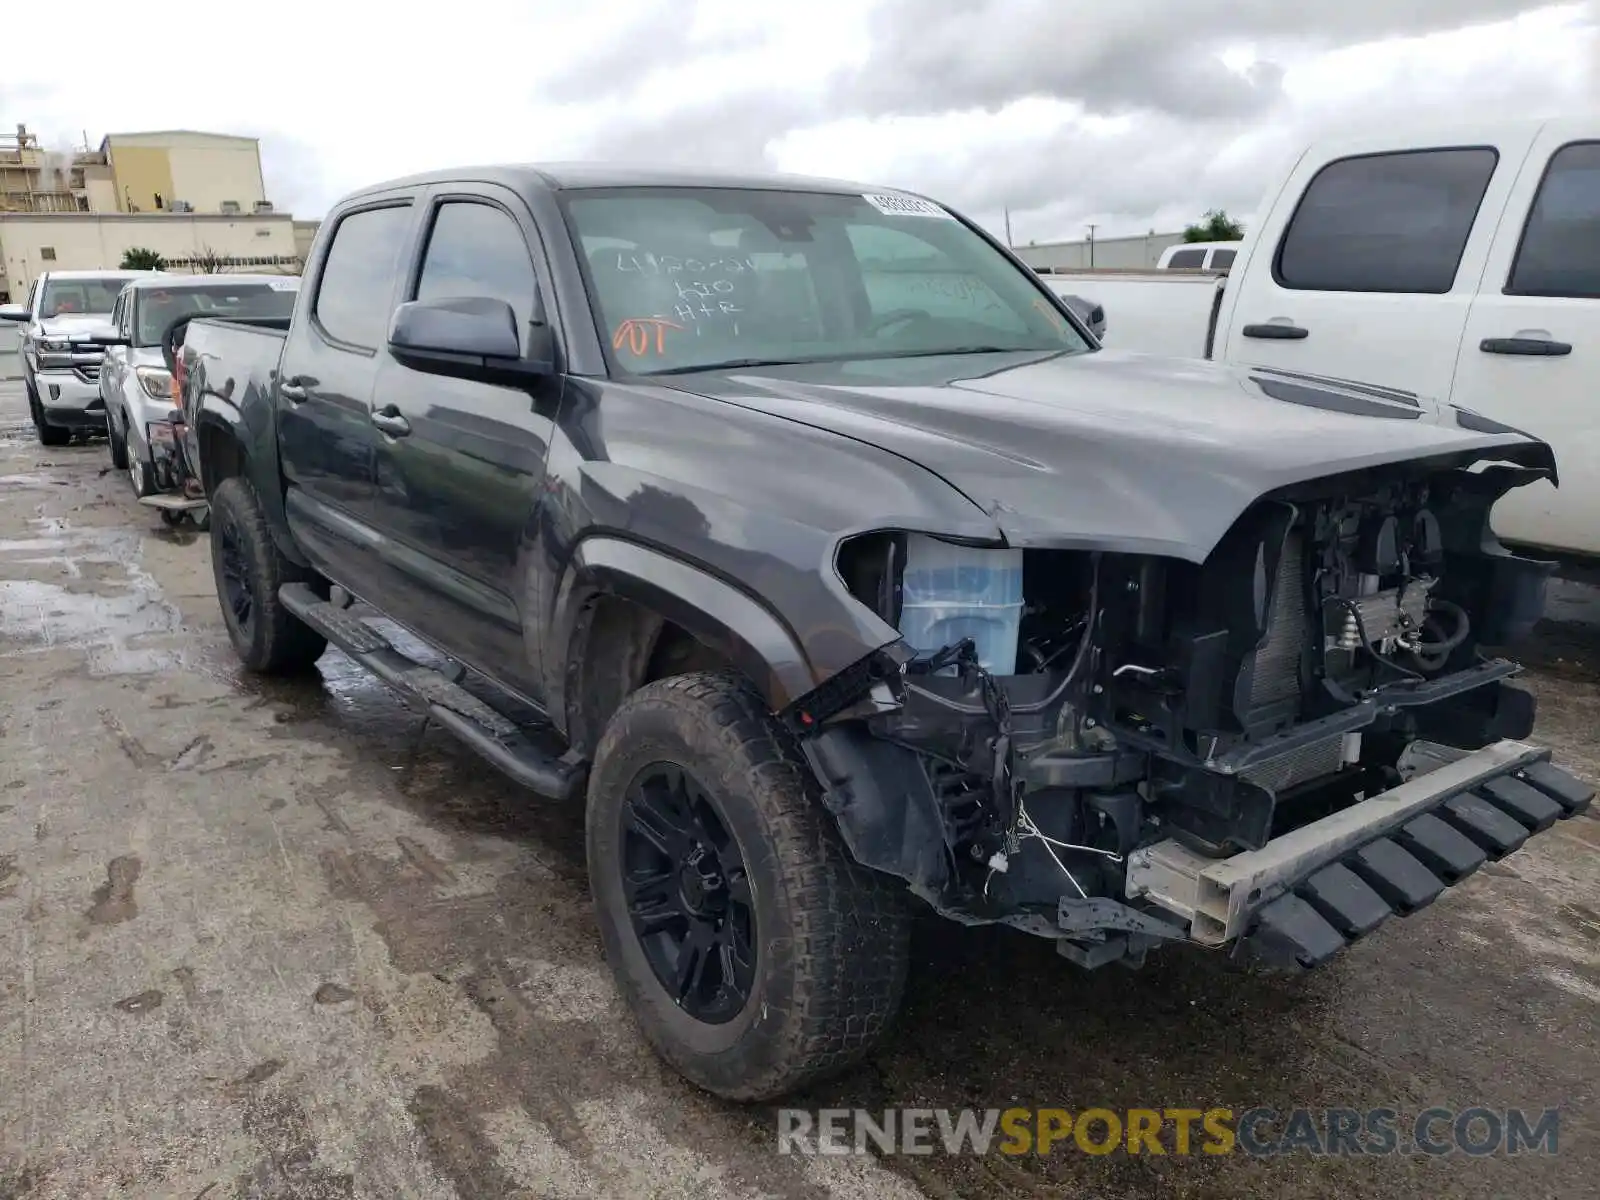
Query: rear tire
{"x": 805, "y": 967}
{"x": 249, "y": 568}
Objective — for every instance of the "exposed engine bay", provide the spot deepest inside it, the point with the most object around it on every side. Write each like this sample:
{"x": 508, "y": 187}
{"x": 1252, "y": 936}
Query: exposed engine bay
{"x": 1334, "y": 632}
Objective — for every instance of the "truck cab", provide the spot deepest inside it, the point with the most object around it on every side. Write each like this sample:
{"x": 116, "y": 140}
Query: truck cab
{"x": 1198, "y": 256}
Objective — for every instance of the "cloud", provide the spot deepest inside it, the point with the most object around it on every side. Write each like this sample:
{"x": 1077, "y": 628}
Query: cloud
{"x": 1128, "y": 114}
{"x": 933, "y": 56}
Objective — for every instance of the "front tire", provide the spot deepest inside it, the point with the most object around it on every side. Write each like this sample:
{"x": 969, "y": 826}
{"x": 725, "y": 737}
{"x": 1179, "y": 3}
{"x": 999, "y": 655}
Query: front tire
{"x": 141, "y": 477}
{"x": 249, "y": 568}
{"x": 118, "y": 443}
{"x": 49, "y": 435}
{"x": 755, "y": 953}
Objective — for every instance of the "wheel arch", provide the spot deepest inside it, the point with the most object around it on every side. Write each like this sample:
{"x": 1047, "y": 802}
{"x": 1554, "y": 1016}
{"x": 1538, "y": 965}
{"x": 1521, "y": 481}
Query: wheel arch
{"x": 627, "y": 614}
{"x": 229, "y": 447}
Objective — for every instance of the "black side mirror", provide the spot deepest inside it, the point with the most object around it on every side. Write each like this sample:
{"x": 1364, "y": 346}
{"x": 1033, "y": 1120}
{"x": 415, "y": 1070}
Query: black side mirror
{"x": 473, "y": 337}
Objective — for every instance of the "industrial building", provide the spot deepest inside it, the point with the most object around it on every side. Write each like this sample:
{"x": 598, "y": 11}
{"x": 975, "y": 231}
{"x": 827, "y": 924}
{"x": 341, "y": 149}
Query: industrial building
{"x": 197, "y": 199}
{"x": 1140, "y": 252}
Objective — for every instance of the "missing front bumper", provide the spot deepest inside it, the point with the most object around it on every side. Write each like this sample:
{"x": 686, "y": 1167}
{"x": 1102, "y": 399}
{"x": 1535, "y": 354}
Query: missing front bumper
{"x": 1304, "y": 896}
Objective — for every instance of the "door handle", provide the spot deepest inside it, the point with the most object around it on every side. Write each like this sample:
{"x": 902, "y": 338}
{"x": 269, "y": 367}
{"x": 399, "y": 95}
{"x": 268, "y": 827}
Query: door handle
{"x": 292, "y": 389}
{"x": 389, "y": 420}
{"x": 1538, "y": 347}
{"x": 1276, "y": 333}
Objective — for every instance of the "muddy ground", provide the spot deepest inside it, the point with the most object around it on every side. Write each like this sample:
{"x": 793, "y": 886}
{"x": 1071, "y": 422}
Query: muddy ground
{"x": 265, "y": 941}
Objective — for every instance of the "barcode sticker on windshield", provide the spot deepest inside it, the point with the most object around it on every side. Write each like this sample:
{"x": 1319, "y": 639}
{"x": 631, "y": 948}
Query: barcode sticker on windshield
{"x": 904, "y": 206}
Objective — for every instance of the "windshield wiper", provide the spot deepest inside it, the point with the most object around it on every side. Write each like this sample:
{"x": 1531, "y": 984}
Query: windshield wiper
{"x": 729, "y": 364}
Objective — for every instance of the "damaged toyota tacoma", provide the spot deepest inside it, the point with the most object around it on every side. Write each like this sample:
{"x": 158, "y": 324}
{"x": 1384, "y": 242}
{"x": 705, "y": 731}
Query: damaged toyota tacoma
{"x": 800, "y": 532}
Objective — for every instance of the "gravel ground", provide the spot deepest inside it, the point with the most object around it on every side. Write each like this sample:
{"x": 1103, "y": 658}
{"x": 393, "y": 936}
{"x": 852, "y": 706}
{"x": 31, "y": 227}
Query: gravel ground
{"x": 264, "y": 940}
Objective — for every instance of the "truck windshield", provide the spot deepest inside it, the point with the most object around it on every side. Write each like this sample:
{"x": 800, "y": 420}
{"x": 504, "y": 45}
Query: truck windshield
{"x": 71, "y": 297}
{"x": 696, "y": 278}
{"x": 157, "y": 308}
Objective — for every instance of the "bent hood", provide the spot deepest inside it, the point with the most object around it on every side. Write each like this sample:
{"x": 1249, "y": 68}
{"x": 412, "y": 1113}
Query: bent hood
{"x": 1114, "y": 451}
{"x": 75, "y": 327}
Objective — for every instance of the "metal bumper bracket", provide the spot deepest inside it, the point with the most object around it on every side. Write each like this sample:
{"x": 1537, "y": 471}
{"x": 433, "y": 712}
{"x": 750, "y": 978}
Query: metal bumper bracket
{"x": 1306, "y": 894}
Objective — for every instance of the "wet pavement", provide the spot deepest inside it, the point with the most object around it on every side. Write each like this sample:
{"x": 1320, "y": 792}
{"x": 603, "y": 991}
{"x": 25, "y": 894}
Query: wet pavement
{"x": 272, "y": 940}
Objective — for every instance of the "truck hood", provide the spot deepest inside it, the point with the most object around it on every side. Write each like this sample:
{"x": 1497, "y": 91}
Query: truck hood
{"x": 1114, "y": 451}
{"x": 77, "y": 327}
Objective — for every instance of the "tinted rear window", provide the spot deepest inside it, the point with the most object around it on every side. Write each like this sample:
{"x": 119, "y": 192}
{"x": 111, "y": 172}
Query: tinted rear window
{"x": 1560, "y": 251}
{"x": 1386, "y": 222}
{"x": 1187, "y": 258}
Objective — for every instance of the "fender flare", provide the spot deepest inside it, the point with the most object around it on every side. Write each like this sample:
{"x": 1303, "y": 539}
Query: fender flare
{"x": 724, "y": 618}
{"x": 257, "y": 452}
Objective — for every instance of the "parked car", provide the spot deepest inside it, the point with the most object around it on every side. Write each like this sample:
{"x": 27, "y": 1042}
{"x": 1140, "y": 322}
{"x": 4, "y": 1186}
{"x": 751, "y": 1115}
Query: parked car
{"x": 135, "y": 382}
{"x": 1460, "y": 263}
{"x": 1198, "y": 256}
{"x": 67, "y": 319}
{"x": 1090, "y": 313}
{"x": 848, "y": 573}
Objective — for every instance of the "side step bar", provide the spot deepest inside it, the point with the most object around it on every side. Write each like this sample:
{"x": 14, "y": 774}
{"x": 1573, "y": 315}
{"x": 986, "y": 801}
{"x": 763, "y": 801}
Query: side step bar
{"x": 172, "y": 502}
{"x": 1304, "y": 896}
{"x": 449, "y": 704}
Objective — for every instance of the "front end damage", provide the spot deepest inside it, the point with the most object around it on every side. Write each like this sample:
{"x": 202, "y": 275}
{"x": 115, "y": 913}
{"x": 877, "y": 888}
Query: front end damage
{"x": 1274, "y": 748}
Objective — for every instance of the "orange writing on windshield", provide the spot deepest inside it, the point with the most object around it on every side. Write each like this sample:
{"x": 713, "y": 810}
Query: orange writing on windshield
{"x": 634, "y": 335}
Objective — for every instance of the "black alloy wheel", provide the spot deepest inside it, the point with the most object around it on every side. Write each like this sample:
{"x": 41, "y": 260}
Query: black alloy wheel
{"x": 688, "y": 894}
{"x": 237, "y": 592}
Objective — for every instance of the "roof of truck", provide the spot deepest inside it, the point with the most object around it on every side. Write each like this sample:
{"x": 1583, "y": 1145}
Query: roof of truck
{"x": 174, "y": 283}
{"x": 575, "y": 175}
{"x": 95, "y": 274}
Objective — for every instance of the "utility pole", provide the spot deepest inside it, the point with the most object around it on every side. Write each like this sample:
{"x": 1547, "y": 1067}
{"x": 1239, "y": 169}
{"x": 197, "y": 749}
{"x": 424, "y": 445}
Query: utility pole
{"x": 1008, "y": 227}
{"x": 1092, "y": 228}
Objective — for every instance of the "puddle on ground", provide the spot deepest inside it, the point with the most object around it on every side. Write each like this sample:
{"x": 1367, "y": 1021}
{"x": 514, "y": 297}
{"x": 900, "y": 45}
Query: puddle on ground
{"x": 109, "y": 624}
{"x": 31, "y": 481}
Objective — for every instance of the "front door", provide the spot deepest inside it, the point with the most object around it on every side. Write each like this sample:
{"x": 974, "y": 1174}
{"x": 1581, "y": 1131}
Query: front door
{"x": 325, "y": 432}
{"x": 1533, "y": 337}
{"x": 460, "y": 464}
{"x": 1367, "y": 263}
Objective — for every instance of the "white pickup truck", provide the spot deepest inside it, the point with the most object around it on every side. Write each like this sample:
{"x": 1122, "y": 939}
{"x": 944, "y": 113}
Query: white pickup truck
{"x": 1460, "y": 264}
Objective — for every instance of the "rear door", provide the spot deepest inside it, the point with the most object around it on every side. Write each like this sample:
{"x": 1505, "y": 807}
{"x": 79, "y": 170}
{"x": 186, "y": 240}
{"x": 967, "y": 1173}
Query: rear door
{"x": 1531, "y": 354}
{"x": 330, "y": 359}
{"x": 460, "y": 463}
{"x": 1366, "y": 266}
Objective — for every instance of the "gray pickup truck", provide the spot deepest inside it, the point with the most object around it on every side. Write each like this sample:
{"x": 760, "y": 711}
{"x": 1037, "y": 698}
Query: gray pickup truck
{"x": 843, "y": 573}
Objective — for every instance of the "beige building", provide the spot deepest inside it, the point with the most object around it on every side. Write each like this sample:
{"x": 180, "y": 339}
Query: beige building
{"x": 1140, "y": 252}
{"x": 182, "y": 171}
{"x": 197, "y": 199}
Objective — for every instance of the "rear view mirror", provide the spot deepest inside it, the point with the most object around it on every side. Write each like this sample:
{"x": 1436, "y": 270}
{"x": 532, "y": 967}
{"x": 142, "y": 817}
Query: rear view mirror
{"x": 13, "y": 312}
{"x": 472, "y": 337}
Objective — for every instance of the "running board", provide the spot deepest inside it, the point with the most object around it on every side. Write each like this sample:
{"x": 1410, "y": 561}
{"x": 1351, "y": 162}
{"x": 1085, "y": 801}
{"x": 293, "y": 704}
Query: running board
{"x": 1304, "y": 896}
{"x": 172, "y": 502}
{"x": 447, "y": 703}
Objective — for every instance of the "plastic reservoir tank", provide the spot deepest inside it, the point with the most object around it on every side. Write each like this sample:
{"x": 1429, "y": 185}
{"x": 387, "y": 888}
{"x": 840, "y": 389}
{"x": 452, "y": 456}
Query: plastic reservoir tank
{"x": 950, "y": 592}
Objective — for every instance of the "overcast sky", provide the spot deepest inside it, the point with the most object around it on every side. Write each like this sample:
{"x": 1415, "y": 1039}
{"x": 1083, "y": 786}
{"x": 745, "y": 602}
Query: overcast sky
{"x": 1132, "y": 114}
